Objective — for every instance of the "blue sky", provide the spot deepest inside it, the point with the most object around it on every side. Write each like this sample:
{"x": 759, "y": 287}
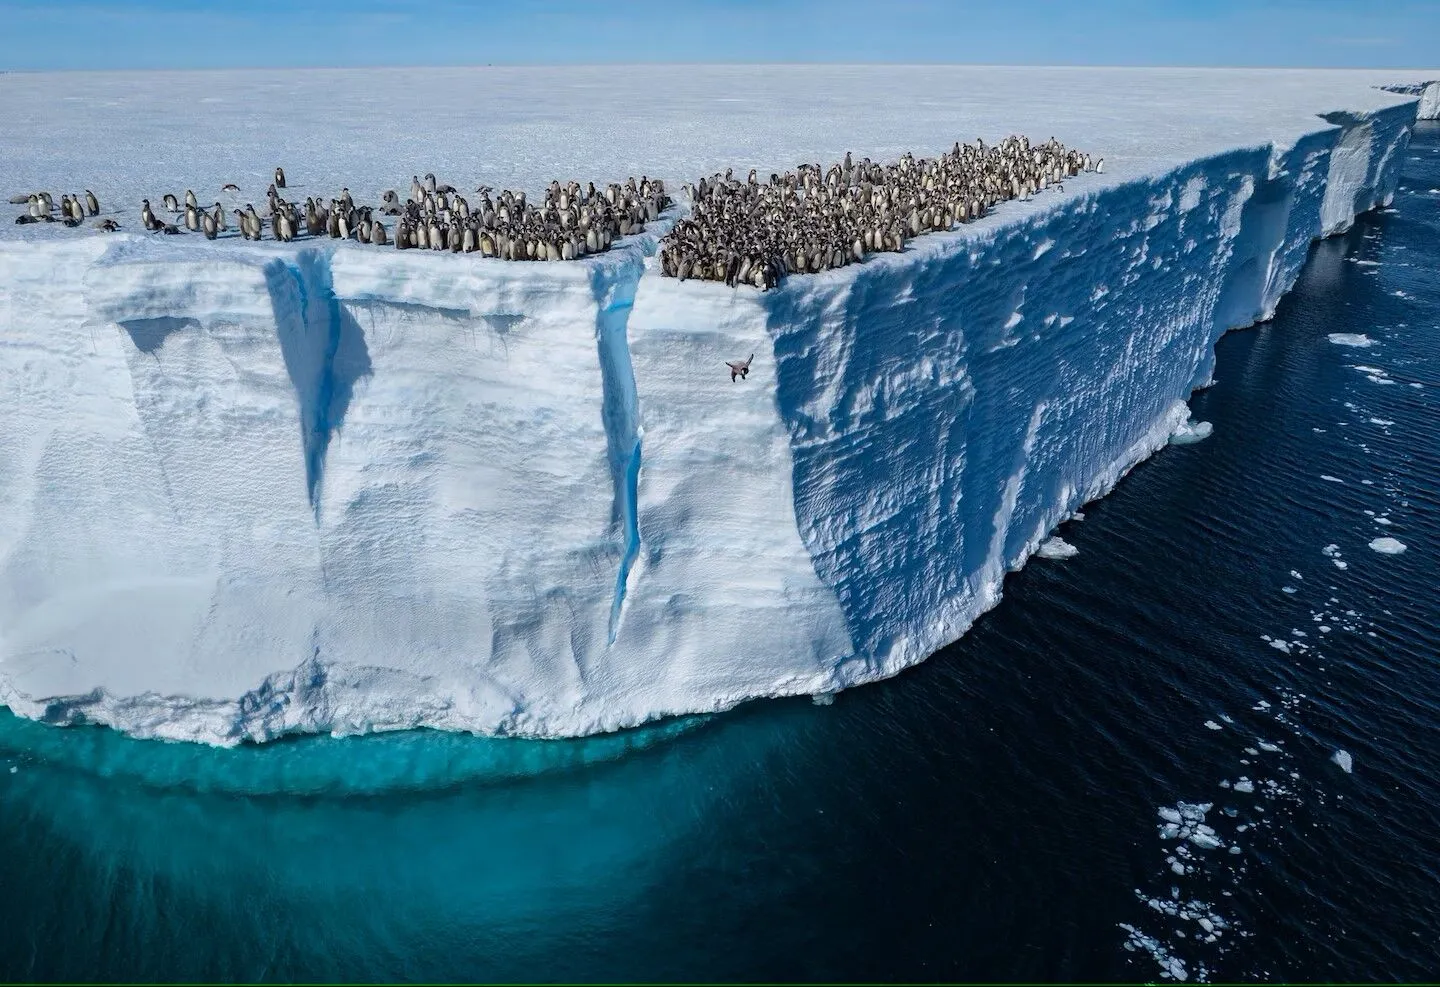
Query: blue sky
{"x": 85, "y": 34}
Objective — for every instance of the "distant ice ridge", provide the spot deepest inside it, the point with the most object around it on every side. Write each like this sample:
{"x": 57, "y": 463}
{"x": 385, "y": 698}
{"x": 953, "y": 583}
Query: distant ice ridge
{"x": 254, "y": 490}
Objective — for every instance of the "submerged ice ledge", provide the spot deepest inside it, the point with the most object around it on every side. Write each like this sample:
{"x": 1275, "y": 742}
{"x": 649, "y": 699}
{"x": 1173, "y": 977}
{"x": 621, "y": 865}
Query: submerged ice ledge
{"x": 253, "y": 491}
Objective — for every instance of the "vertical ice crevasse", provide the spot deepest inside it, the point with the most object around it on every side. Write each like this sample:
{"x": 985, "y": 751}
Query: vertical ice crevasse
{"x": 614, "y": 285}
{"x": 324, "y": 351}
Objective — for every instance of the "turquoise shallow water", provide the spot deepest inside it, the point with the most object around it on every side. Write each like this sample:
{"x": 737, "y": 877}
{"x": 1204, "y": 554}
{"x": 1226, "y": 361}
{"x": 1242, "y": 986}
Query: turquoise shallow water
{"x": 992, "y": 813}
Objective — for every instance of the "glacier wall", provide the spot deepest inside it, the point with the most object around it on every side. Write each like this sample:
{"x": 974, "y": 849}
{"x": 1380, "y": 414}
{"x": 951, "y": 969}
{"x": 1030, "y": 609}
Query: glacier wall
{"x": 252, "y": 490}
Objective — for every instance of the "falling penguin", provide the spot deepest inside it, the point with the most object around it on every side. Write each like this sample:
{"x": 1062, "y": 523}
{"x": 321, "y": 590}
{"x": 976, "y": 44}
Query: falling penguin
{"x": 740, "y": 370}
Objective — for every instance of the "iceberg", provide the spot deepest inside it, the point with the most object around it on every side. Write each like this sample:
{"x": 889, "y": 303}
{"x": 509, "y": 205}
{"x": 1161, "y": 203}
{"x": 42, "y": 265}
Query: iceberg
{"x": 259, "y": 489}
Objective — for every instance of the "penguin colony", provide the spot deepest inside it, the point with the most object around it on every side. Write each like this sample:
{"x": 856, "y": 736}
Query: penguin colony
{"x": 753, "y": 233}
{"x": 570, "y": 221}
{"x": 811, "y": 220}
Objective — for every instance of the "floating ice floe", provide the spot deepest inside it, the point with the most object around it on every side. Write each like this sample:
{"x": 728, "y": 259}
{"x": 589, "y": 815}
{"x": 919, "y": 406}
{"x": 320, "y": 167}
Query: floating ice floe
{"x": 1351, "y": 339}
{"x": 1387, "y": 546}
{"x": 1343, "y": 760}
{"x": 1191, "y": 432}
{"x": 1057, "y": 548}
{"x": 1375, "y": 375}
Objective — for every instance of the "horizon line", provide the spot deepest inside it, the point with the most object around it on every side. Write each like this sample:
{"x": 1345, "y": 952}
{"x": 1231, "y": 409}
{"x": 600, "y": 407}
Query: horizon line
{"x": 719, "y": 64}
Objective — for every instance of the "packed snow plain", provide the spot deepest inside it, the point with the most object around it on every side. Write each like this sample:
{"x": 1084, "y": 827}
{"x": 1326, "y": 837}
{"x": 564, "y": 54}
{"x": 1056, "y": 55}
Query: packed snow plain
{"x": 250, "y": 490}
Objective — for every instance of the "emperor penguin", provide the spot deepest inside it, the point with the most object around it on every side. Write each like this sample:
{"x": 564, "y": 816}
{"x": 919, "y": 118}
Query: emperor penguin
{"x": 171, "y": 203}
{"x": 740, "y": 369}
{"x": 147, "y": 218}
{"x": 279, "y": 177}
{"x": 192, "y": 218}
{"x": 377, "y": 233}
{"x": 207, "y": 223}
{"x": 190, "y": 201}
{"x": 1100, "y": 166}
{"x": 92, "y": 204}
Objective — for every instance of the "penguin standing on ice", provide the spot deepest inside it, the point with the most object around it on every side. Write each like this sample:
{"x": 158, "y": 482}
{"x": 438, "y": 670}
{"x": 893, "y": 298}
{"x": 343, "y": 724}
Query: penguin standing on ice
{"x": 739, "y": 370}
{"x": 279, "y": 177}
{"x": 92, "y": 204}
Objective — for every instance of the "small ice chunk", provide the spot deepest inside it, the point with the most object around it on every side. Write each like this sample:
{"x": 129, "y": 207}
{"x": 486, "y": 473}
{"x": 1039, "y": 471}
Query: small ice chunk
{"x": 823, "y": 699}
{"x": 1331, "y": 551}
{"x": 1190, "y": 432}
{"x": 1169, "y": 814}
{"x": 1330, "y": 479}
{"x": 1245, "y": 786}
{"x": 1212, "y": 725}
{"x": 1205, "y": 838}
{"x": 1358, "y": 339}
{"x": 1387, "y": 546}
{"x": 1288, "y": 589}
{"x": 1343, "y": 760}
{"x": 1057, "y": 548}
{"x": 1280, "y": 645}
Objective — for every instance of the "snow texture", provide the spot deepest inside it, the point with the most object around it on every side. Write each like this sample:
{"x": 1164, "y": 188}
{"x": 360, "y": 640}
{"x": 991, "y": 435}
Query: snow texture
{"x": 251, "y": 490}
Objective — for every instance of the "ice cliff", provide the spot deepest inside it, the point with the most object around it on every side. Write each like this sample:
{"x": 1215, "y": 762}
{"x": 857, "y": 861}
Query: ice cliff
{"x": 251, "y": 490}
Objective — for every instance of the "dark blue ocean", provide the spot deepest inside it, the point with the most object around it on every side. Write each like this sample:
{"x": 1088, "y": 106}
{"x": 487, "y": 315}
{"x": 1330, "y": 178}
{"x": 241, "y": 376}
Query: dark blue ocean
{"x": 1128, "y": 770}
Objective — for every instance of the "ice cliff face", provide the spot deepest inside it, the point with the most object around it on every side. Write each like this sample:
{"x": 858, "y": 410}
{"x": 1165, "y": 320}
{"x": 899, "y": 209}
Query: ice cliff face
{"x": 251, "y": 490}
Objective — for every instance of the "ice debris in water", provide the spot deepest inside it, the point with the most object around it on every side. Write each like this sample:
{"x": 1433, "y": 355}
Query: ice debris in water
{"x": 823, "y": 699}
{"x": 1187, "y": 822}
{"x": 1387, "y": 546}
{"x": 1212, "y": 725}
{"x": 1351, "y": 339}
{"x": 1343, "y": 760}
{"x": 1190, "y": 432}
{"x": 1057, "y": 548}
{"x": 1171, "y": 967}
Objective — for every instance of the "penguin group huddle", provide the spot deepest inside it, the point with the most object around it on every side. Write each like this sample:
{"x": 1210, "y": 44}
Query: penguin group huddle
{"x": 739, "y": 232}
{"x": 570, "y": 222}
{"x": 810, "y": 220}
{"x": 40, "y": 208}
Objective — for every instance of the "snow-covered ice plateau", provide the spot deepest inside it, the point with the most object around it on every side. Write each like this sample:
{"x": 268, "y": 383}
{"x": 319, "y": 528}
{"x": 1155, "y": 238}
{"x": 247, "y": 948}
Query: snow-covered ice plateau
{"x": 255, "y": 489}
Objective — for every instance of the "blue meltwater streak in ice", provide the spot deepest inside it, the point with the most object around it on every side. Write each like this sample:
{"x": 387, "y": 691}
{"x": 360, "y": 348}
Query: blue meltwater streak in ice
{"x": 614, "y": 288}
{"x": 324, "y": 351}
